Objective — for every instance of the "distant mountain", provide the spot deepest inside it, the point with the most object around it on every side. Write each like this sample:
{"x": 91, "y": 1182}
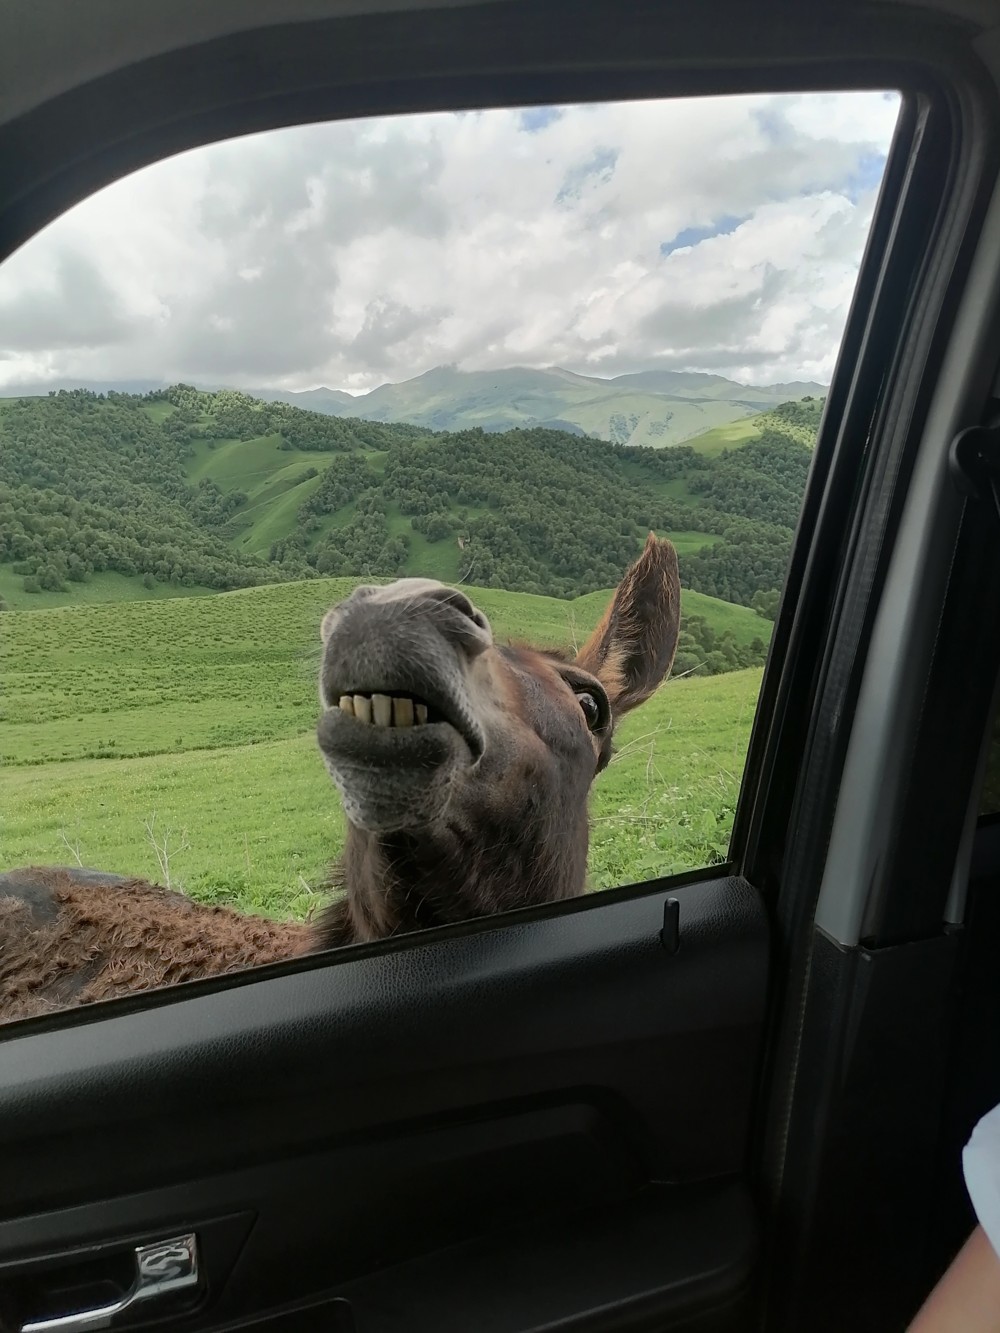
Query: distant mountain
{"x": 652, "y": 407}
{"x": 330, "y": 401}
{"x": 696, "y": 386}
{"x": 657, "y": 407}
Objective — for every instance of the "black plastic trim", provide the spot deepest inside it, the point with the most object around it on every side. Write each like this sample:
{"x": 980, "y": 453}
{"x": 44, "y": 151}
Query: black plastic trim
{"x": 500, "y": 54}
{"x": 588, "y": 1003}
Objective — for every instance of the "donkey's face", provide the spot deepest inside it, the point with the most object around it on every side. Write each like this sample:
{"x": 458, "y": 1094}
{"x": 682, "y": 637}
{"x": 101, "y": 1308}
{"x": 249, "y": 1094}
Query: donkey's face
{"x": 428, "y": 722}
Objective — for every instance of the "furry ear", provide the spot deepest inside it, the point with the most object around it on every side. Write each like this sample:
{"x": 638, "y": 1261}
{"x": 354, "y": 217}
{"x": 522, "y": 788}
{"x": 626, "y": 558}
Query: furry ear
{"x": 632, "y": 649}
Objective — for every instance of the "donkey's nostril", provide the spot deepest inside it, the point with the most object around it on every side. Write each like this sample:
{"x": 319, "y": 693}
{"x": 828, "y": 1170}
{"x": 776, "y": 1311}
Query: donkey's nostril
{"x": 469, "y": 629}
{"x": 452, "y": 597}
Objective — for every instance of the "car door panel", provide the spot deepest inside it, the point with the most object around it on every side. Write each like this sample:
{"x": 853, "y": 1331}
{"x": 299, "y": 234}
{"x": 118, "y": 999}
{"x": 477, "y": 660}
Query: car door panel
{"x": 568, "y": 1077}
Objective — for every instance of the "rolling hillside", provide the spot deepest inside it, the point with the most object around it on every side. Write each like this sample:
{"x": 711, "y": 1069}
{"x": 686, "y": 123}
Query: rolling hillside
{"x": 656, "y": 408}
{"x": 185, "y": 490}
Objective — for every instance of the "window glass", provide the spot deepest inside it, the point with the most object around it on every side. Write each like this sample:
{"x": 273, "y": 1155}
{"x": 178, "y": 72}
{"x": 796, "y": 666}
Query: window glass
{"x": 494, "y": 350}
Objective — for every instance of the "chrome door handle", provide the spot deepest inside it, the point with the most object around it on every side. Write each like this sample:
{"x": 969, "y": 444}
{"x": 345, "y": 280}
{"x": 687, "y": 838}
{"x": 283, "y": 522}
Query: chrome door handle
{"x": 161, "y": 1269}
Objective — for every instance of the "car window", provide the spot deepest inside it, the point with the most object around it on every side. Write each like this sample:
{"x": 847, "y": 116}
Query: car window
{"x": 567, "y": 362}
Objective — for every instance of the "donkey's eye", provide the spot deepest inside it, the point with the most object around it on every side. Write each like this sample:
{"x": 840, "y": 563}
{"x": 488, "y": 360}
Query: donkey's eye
{"x": 591, "y": 710}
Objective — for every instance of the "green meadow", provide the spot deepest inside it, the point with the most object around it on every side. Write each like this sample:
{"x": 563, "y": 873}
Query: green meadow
{"x": 174, "y": 738}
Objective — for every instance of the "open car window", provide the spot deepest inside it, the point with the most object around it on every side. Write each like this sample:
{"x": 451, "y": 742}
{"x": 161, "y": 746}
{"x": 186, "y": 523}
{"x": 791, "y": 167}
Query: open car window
{"x": 496, "y": 350}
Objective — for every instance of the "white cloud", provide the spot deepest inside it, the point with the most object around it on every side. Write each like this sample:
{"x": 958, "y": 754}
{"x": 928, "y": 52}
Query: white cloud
{"x": 352, "y": 253}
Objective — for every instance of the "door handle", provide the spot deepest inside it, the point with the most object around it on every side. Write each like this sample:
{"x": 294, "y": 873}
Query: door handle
{"x": 161, "y": 1269}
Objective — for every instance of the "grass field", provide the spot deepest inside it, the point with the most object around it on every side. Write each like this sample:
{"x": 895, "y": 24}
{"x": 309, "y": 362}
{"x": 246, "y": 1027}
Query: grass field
{"x": 192, "y": 719}
{"x": 101, "y": 588}
{"x": 732, "y": 434}
{"x": 238, "y": 668}
{"x": 256, "y": 825}
{"x": 729, "y": 436}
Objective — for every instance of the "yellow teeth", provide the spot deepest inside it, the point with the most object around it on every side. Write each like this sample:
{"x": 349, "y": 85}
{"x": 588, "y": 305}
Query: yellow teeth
{"x": 381, "y": 710}
{"x": 384, "y": 710}
{"x": 402, "y": 712}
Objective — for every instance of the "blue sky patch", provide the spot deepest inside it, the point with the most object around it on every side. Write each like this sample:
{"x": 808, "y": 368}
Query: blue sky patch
{"x": 536, "y": 118}
{"x": 694, "y": 235}
{"x": 599, "y": 167}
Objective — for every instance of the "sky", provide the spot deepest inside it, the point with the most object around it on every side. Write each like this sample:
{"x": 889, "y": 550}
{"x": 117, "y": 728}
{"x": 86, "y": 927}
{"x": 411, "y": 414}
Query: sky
{"x": 713, "y": 234}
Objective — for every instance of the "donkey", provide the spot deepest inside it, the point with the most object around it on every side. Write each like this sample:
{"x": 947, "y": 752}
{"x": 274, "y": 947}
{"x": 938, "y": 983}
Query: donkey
{"x": 463, "y": 766}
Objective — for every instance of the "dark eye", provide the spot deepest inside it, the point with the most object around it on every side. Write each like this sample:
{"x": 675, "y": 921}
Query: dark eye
{"x": 591, "y": 710}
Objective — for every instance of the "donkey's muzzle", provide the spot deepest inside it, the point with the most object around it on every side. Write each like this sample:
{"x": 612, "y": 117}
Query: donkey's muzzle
{"x": 414, "y": 637}
{"x": 398, "y": 723}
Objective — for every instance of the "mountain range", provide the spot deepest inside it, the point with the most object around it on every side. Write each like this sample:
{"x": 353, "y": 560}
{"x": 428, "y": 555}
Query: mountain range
{"x": 653, "y": 407}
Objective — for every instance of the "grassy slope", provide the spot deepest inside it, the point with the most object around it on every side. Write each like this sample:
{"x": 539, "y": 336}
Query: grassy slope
{"x": 199, "y": 712}
{"x": 159, "y": 411}
{"x": 724, "y": 617}
{"x": 256, "y": 825}
{"x": 651, "y": 420}
{"x": 686, "y": 542}
{"x": 272, "y": 479}
{"x": 238, "y": 668}
{"x": 735, "y": 433}
{"x": 730, "y": 436}
{"x": 99, "y": 589}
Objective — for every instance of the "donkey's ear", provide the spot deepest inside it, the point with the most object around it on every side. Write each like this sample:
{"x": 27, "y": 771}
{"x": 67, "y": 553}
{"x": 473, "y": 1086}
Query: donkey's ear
{"x": 632, "y": 649}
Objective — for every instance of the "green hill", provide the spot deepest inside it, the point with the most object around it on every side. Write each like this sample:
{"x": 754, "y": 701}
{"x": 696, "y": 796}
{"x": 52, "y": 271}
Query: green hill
{"x": 96, "y": 591}
{"x": 797, "y": 421}
{"x": 192, "y": 491}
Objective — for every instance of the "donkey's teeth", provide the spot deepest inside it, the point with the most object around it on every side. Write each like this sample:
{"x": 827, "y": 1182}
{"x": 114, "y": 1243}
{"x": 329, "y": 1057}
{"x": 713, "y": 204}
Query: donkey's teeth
{"x": 402, "y": 712}
{"x": 362, "y": 708}
{"x": 421, "y": 713}
{"x": 347, "y": 704}
{"x": 381, "y": 710}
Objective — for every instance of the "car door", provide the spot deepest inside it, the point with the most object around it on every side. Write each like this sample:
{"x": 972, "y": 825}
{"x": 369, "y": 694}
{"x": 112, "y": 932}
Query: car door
{"x": 646, "y": 1109}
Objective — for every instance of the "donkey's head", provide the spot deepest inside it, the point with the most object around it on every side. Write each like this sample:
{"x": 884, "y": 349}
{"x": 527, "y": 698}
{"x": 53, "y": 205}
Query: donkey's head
{"x": 464, "y": 765}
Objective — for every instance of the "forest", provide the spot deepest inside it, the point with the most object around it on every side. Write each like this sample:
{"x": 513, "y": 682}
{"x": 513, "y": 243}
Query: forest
{"x": 91, "y": 483}
{"x": 547, "y": 512}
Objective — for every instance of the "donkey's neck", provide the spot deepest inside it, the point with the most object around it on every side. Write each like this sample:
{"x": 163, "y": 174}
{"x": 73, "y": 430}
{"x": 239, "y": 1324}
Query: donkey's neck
{"x": 394, "y": 883}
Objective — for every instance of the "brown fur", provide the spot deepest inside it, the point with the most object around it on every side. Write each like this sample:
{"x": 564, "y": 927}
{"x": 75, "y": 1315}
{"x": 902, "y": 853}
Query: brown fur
{"x": 509, "y": 830}
{"x": 103, "y": 941}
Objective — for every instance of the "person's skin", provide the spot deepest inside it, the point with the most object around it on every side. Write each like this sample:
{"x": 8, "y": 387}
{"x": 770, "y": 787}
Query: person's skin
{"x": 967, "y": 1299}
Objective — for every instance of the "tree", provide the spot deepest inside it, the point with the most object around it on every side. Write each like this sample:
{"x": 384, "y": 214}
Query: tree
{"x": 766, "y": 603}
{"x": 49, "y": 579}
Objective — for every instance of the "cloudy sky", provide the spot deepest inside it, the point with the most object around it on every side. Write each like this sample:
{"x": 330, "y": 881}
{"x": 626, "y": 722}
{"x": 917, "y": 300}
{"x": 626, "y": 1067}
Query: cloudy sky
{"x": 714, "y": 234}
